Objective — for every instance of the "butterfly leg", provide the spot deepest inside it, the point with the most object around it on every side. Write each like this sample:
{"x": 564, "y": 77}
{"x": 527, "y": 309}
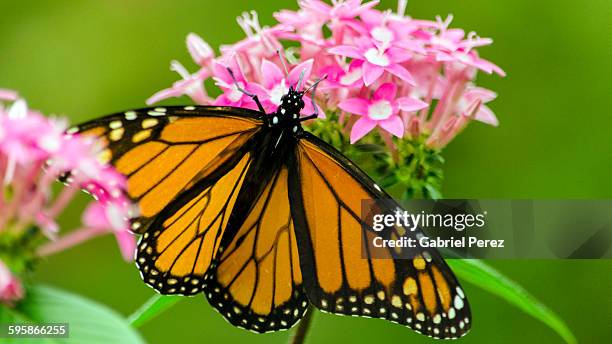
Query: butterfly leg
{"x": 253, "y": 96}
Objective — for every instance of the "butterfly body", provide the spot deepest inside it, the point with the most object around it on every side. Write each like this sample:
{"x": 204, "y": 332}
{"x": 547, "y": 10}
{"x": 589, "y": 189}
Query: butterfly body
{"x": 263, "y": 218}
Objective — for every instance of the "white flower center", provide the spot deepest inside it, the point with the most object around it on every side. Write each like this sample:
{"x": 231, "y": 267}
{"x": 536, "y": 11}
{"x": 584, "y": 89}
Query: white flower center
{"x": 278, "y": 91}
{"x": 351, "y": 77}
{"x": 382, "y": 34}
{"x": 380, "y": 110}
{"x": 50, "y": 143}
{"x": 115, "y": 217}
{"x": 19, "y": 109}
{"x": 235, "y": 95}
{"x": 377, "y": 57}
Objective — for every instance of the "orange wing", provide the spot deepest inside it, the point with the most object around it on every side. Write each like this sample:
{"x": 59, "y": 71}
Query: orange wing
{"x": 180, "y": 246}
{"x": 185, "y": 167}
{"x": 257, "y": 284}
{"x": 421, "y": 293}
{"x": 165, "y": 151}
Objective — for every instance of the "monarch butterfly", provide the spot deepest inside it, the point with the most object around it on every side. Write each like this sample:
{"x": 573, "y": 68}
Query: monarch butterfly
{"x": 261, "y": 217}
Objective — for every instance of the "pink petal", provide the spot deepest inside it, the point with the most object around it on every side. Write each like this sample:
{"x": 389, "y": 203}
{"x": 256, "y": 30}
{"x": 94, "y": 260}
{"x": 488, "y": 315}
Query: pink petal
{"x": 364, "y": 7}
{"x": 357, "y": 106}
{"x": 257, "y": 89}
{"x": 491, "y": 66}
{"x": 95, "y": 216}
{"x": 487, "y": 116}
{"x": 220, "y": 70}
{"x": 127, "y": 244}
{"x": 371, "y": 73}
{"x": 454, "y": 34}
{"x": 401, "y": 73}
{"x": 361, "y": 128}
{"x": 224, "y": 100}
{"x": 164, "y": 94}
{"x": 346, "y": 50}
{"x": 480, "y": 93}
{"x": 308, "y": 109}
{"x": 294, "y": 74}
{"x": 397, "y": 55}
{"x": 10, "y": 95}
{"x": 394, "y": 125}
{"x": 386, "y": 91}
{"x": 220, "y": 73}
{"x": 272, "y": 75}
{"x": 200, "y": 51}
{"x": 410, "y": 104}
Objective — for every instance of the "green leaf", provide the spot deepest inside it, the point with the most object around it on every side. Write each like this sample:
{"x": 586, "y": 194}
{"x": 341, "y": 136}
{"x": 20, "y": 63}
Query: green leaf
{"x": 154, "y": 306}
{"x": 88, "y": 321}
{"x": 482, "y": 275}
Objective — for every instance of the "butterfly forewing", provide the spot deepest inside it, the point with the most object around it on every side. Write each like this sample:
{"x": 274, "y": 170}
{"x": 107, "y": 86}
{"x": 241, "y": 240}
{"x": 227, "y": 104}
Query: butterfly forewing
{"x": 165, "y": 151}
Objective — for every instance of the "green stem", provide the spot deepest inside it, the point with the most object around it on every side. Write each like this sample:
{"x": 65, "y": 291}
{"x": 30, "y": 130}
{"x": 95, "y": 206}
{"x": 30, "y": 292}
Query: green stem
{"x": 299, "y": 336}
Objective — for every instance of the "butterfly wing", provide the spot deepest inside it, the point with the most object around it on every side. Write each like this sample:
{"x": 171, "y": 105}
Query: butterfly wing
{"x": 256, "y": 282}
{"x": 184, "y": 168}
{"x": 327, "y": 191}
{"x": 165, "y": 151}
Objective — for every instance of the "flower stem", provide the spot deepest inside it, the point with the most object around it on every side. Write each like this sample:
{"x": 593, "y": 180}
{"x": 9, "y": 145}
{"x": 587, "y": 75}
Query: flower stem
{"x": 299, "y": 336}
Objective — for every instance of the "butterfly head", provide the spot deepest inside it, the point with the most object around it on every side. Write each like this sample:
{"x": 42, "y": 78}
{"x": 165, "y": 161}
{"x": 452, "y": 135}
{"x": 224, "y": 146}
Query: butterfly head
{"x": 292, "y": 103}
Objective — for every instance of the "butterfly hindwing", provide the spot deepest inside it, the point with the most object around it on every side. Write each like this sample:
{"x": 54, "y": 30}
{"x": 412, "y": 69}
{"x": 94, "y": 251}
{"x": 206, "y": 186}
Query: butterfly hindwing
{"x": 180, "y": 246}
{"x": 256, "y": 283}
{"x": 339, "y": 278}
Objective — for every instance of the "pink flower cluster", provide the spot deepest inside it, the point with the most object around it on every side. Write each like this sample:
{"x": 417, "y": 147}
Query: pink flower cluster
{"x": 382, "y": 69}
{"x": 34, "y": 153}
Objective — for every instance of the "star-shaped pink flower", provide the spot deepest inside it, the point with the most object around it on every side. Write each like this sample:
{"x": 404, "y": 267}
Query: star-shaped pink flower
{"x": 276, "y": 83}
{"x": 232, "y": 96}
{"x": 381, "y": 110}
{"x": 376, "y": 60}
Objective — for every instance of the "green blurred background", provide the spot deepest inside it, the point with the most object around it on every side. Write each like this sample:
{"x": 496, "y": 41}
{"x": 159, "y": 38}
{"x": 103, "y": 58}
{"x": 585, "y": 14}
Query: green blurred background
{"x": 83, "y": 59}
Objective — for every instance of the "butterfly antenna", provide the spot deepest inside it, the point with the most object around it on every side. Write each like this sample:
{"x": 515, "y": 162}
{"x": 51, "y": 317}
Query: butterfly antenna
{"x": 281, "y": 56}
{"x": 299, "y": 83}
{"x": 314, "y": 85}
{"x": 312, "y": 99}
{"x": 238, "y": 85}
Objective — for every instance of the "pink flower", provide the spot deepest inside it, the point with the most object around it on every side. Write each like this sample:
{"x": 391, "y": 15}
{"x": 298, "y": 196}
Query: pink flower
{"x": 382, "y": 110}
{"x": 343, "y": 77}
{"x": 376, "y": 60}
{"x": 358, "y": 47}
{"x": 191, "y": 85}
{"x": 471, "y": 59}
{"x": 34, "y": 153}
{"x": 260, "y": 41}
{"x": 477, "y": 95}
{"x": 276, "y": 83}
{"x": 388, "y": 29}
{"x": 232, "y": 96}
{"x": 11, "y": 289}
{"x": 200, "y": 51}
{"x": 340, "y": 17}
{"x": 450, "y": 47}
{"x": 6, "y": 94}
